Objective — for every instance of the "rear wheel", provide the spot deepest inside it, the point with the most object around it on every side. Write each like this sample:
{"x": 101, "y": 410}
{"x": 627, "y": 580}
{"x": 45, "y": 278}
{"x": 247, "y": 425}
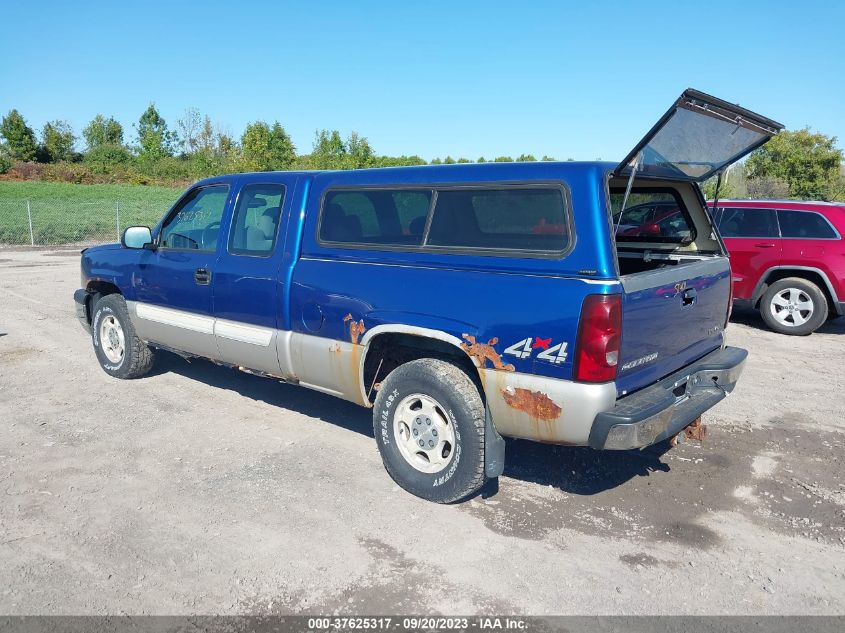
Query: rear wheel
{"x": 120, "y": 352}
{"x": 428, "y": 420}
{"x": 794, "y": 306}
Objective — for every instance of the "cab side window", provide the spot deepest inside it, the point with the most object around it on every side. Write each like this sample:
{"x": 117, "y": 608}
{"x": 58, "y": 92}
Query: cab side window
{"x": 196, "y": 223}
{"x": 385, "y": 217}
{"x": 747, "y": 222}
{"x": 255, "y": 222}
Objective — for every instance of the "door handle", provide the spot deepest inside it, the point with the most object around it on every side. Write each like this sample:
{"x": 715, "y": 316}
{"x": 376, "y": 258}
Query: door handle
{"x": 764, "y": 245}
{"x": 202, "y": 276}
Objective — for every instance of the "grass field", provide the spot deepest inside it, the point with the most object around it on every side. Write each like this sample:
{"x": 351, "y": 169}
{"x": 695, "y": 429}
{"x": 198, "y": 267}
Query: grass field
{"x": 66, "y": 213}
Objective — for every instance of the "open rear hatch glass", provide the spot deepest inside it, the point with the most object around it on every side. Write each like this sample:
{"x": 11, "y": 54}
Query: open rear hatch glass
{"x": 697, "y": 137}
{"x": 676, "y": 295}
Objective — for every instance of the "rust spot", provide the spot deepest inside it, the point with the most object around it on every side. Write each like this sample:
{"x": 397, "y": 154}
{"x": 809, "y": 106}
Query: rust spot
{"x": 696, "y": 431}
{"x": 355, "y": 329}
{"x": 482, "y": 352}
{"x": 335, "y": 349}
{"x": 535, "y": 403}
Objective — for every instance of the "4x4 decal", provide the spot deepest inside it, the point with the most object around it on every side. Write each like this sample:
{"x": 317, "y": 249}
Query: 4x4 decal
{"x": 525, "y": 348}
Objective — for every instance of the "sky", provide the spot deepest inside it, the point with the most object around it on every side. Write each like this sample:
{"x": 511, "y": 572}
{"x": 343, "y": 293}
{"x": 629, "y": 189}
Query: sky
{"x": 580, "y": 80}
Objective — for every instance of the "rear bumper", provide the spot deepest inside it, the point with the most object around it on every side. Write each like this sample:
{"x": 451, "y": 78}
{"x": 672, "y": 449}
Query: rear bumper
{"x": 80, "y": 300}
{"x": 658, "y": 412}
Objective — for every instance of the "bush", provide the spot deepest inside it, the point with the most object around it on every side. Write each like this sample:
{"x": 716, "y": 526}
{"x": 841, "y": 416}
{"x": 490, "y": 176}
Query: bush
{"x": 69, "y": 172}
{"x": 5, "y": 164}
{"x": 103, "y": 159}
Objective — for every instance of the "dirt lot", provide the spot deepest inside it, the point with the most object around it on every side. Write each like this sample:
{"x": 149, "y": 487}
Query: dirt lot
{"x": 202, "y": 490}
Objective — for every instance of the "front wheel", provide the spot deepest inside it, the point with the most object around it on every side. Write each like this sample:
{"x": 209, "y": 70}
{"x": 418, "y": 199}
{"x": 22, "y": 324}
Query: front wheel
{"x": 120, "y": 352}
{"x": 428, "y": 421}
{"x": 794, "y": 306}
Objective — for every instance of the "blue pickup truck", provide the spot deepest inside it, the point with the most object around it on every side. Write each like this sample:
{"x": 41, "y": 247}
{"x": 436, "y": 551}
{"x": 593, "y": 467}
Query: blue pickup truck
{"x": 462, "y": 303}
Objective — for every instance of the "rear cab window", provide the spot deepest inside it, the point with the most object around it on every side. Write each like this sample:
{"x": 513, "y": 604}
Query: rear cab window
{"x": 530, "y": 220}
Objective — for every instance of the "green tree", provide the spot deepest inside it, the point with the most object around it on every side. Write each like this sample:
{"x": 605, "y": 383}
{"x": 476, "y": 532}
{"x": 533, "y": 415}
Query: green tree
{"x": 190, "y": 126}
{"x": 332, "y": 152}
{"x": 329, "y": 150}
{"x": 57, "y": 139}
{"x": 105, "y": 149}
{"x": 359, "y": 154}
{"x": 154, "y": 139}
{"x": 102, "y": 131}
{"x": 20, "y": 139}
{"x": 398, "y": 161}
{"x": 265, "y": 148}
{"x": 526, "y": 158}
{"x": 548, "y": 158}
{"x": 808, "y": 162}
{"x": 481, "y": 159}
{"x": 503, "y": 159}
{"x": 726, "y": 188}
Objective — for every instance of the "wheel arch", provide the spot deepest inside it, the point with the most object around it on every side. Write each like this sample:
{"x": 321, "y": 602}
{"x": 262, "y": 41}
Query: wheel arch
{"x": 388, "y": 346}
{"x": 810, "y": 273}
{"x": 96, "y": 288}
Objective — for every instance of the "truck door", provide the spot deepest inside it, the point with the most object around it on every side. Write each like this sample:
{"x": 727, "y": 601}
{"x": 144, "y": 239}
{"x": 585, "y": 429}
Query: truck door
{"x": 173, "y": 282}
{"x": 248, "y": 286}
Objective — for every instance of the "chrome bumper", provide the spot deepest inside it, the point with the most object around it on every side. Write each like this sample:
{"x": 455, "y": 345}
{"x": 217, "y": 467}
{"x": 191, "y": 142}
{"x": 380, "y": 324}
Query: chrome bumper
{"x": 661, "y": 411}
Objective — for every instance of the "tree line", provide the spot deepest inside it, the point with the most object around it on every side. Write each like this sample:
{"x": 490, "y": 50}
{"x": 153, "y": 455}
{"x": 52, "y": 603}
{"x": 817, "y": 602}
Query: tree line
{"x": 795, "y": 164}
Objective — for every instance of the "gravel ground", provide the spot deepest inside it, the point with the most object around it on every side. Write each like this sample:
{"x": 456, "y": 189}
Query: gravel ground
{"x": 199, "y": 489}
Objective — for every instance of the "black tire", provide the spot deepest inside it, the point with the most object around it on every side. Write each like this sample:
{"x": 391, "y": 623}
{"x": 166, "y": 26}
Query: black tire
{"x": 768, "y": 307}
{"x": 459, "y": 400}
{"x": 137, "y": 358}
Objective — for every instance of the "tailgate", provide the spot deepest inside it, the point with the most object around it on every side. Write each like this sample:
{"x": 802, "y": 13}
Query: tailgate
{"x": 671, "y": 317}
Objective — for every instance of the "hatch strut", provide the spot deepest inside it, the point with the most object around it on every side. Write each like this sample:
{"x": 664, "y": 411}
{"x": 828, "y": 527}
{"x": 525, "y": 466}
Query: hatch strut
{"x": 634, "y": 167}
{"x": 716, "y": 195}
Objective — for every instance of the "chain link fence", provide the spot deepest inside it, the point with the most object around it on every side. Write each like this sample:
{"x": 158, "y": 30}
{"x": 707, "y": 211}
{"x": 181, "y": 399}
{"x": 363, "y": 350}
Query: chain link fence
{"x": 39, "y": 223}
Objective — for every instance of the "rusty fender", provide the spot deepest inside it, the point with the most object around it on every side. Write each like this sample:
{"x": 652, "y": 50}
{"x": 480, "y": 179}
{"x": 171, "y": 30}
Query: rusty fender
{"x": 544, "y": 409}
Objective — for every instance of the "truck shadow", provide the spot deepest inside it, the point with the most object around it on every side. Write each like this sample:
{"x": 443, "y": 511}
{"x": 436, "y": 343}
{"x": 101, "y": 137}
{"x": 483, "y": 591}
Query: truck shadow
{"x": 306, "y": 401}
{"x": 575, "y": 470}
{"x": 752, "y": 318}
{"x": 580, "y": 470}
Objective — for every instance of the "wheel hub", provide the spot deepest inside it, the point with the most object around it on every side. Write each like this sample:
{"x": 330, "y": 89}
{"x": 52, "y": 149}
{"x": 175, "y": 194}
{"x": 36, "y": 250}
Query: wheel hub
{"x": 792, "y": 307}
{"x": 112, "y": 339}
{"x": 424, "y": 433}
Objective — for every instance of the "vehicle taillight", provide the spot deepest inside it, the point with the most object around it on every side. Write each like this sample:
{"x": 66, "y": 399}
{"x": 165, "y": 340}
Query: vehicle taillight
{"x": 599, "y": 338}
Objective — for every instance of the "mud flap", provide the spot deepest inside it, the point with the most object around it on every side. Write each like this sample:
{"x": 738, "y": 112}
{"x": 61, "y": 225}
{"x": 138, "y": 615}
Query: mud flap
{"x": 494, "y": 448}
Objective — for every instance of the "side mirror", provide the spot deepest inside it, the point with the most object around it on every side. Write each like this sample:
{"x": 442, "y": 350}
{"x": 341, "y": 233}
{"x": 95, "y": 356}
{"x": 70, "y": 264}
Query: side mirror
{"x": 137, "y": 237}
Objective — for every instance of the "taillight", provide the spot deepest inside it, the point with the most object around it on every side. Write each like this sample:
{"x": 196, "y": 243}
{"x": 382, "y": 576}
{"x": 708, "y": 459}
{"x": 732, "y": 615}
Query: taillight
{"x": 599, "y": 338}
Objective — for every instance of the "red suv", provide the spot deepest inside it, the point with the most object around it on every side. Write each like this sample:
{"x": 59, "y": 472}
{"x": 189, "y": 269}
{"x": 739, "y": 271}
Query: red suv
{"x": 787, "y": 259}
